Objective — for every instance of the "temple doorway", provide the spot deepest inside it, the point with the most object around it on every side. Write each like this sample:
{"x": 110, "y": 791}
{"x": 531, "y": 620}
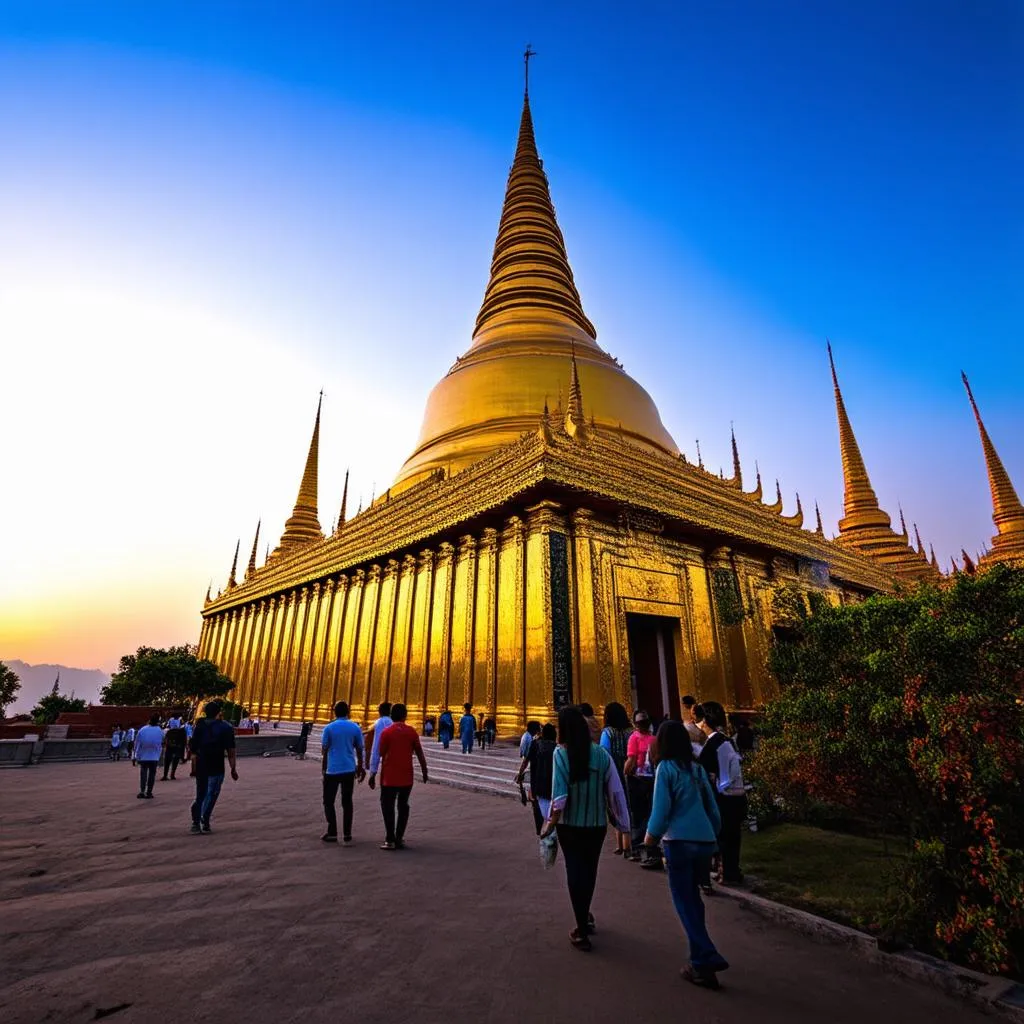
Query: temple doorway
{"x": 652, "y": 664}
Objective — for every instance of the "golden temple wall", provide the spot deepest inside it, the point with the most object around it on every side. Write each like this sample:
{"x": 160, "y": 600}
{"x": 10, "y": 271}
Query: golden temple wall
{"x": 514, "y": 621}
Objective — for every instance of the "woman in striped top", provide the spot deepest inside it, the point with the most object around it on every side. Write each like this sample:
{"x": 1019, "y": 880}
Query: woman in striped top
{"x": 585, "y": 790}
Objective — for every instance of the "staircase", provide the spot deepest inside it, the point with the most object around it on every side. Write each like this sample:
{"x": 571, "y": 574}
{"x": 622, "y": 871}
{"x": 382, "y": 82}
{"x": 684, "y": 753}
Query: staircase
{"x": 492, "y": 771}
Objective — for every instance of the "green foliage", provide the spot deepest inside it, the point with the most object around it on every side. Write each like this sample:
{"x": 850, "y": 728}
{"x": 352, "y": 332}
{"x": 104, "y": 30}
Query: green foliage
{"x": 233, "y": 712}
{"x": 164, "y": 678}
{"x": 50, "y": 707}
{"x": 10, "y": 684}
{"x": 907, "y": 713}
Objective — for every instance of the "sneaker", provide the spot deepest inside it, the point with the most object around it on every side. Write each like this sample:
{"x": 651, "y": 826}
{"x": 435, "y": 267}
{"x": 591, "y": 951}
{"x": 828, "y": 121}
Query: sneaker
{"x": 387, "y": 846}
{"x": 347, "y": 841}
{"x": 141, "y": 796}
{"x": 206, "y": 828}
{"x": 195, "y": 829}
{"x": 329, "y": 837}
{"x": 703, "y": 979}
{"x": 149, "y": 796}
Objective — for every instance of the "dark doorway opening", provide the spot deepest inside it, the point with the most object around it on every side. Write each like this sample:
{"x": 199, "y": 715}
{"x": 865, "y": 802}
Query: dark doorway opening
{"x": 652, "y": 664}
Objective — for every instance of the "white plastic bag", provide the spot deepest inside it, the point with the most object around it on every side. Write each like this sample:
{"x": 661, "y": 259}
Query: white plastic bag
{"x": 549, "y": 849}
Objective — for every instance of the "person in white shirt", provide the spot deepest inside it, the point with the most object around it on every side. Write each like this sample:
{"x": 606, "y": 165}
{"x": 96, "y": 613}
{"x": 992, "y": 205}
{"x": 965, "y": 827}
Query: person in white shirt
{"x": 373, "y": 738}
{"x": 115, "y": 743}
{"x": 129, "y": 741}
{"x": 532, "y": 729}
{"x": 721, "y": 761}
{"x": 148, "y": 745}
{"x": 174, "y": 722}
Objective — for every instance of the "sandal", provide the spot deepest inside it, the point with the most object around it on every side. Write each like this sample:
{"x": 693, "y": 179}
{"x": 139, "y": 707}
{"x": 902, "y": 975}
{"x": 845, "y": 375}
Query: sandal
{"x": 702, "y": 979}
{"x": 580, "y": 942}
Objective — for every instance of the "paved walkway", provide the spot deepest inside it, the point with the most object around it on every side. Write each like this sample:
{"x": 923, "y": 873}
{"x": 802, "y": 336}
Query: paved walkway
{"x": 107, "y": 900}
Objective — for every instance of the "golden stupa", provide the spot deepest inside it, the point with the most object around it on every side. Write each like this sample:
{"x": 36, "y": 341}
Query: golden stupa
{"x": 529, "y": 556}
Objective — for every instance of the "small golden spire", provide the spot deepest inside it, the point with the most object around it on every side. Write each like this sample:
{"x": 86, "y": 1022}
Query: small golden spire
{"x": 903, "y": 525}
{"x": 934, "y": 560}
{"x": 920, "y": 543}
{"x": 819, "y": 529}
{"x": 776, "y": 505}
{"x": 737, "y": 469}
{"x": 859, "y": 502}
{"x": 209, "y": 588}
{"x": 342, "y": 515}
{"x": 797, "y": 518}
{"x": 1007, "y": 511}
{"x": 575, "y": 420}
{"x": 757, "y": 493}
{"x": 303, "y": 526}
{"x": 968, "y": 563}
{"x": 251, "y": 567}
{"x": 700, "y": 458}
{"x": 232, "y": 580}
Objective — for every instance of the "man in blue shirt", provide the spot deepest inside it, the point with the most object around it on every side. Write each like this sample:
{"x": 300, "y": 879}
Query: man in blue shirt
{"x": 341, "y": 744}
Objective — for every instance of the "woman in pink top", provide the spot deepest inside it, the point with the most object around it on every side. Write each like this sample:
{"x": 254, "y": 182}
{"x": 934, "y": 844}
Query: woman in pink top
{"x": 640, "y": 779}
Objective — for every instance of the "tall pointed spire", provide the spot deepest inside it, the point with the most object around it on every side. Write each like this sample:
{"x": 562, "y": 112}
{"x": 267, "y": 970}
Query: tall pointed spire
{"x": 530, "y": 270}
{"x": 1007, "y": 512}
{"x": 303, "y": 526}
{"x": 919, "y": 542}
{"x": 818, "y": 529}
{"x": 860, "y": 504}
{"x": 233, "y": 577}
{"x": 251, "y": 568}
{"x": 344, "y": 504}
{"x": 934, "y": 561}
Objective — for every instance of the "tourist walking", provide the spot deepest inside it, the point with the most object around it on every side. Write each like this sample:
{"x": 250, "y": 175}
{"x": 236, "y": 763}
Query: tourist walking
{"x": 341, "y": 746}
{"x": 693, "y": 730}
{"x": 115, "y": 743}
{"x": 373, "y": 736}
{"x": 490, "y": 730}
{"x": 148, "y": 745}
{"x": 398, "y": 743}
{"x": 532, "y": 730}
{"x": 539, "y": 760}
{"x": 639, "y": 771}
{"x": 592, "y": 723}
{"x": 585, "y": 790}
{"x": 212, "y": 739}
{"x": 615, "y": 739}
{"x": 174, "y": 749}
{"x": 129, "y": 741}
{"x": 445, "y": 728}
{"x": 467, "y": 728}
{"x": 721, "y": 761}
{"x": 685, "y": 816}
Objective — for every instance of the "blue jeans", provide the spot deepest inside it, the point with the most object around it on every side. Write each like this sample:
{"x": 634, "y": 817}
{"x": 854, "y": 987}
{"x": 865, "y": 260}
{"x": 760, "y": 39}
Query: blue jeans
{"x": 467, "y": 743}
{"x": 687, "y": 863}
{"x": 207, "y": 791}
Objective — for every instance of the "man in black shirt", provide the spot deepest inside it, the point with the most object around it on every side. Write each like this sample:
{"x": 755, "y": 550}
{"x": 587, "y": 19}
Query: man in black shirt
{"x": 174, "y": 752}
{"x": 211, "y": 740}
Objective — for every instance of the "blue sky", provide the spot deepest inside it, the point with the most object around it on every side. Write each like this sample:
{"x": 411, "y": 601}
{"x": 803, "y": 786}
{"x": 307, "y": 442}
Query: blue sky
{"x": 735, "y": 182}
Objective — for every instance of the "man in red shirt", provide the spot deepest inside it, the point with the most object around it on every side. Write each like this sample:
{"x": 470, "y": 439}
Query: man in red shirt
{"x": 398, "y": 743}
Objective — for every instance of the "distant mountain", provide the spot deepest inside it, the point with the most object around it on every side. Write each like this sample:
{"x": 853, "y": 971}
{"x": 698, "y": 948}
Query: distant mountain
{"x": 37, "y": 681}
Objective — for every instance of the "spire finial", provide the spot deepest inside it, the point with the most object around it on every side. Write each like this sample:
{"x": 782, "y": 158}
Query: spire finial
{"x": 860, "y": 504}
{"x": 209, "y": 589}
{"x": 251, "y": 567}
{"x": 737, "y": 469}
{"x": 303, "y": 525}
{"x": 919, "y": 542}
{"x": 934, "y": 560}
{"x": 1007, "y": 511}
{"x": 232, "y": 578}
{"x": 527, "y": 54}
{"x": 575, "y": 419}
{"x": 344, "y": 504}
{"x": 903, "y": 523}
{"x": 819, "y": 529}
{"x": 700, "y": 458}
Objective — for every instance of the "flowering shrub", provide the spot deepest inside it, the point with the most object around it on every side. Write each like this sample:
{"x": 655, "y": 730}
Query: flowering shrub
{"x": 908, "y": 713}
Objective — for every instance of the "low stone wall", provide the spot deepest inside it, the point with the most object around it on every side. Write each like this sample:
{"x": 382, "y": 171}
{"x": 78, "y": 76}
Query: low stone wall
{"x": 15, "y": 753}
{"x": 76, "y": 750}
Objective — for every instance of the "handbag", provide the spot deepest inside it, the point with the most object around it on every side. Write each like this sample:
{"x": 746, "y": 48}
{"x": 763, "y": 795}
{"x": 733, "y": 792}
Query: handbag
{"x": 548, "y": 849}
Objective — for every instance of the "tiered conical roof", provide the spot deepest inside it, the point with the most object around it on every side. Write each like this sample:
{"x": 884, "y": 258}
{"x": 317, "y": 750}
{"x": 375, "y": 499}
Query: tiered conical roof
{"x": 1007, "y": 512}
{"x": 303, "y": 526}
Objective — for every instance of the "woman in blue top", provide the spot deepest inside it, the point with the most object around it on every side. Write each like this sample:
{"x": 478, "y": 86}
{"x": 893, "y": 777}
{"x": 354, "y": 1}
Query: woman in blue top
{"x": 585, "y": 787}
{"x": 685, "y": 814}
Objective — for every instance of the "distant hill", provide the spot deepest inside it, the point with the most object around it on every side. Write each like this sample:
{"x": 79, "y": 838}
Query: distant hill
{"x": 37, "y": 681}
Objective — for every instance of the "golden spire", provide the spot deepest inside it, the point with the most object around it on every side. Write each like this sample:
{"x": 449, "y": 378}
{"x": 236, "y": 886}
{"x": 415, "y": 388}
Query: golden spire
{"x": 797, "y": 518}
{"x": 700, "y": 458}
{"x": 819, "y": 529}
{"x": 232, "y": 580}
{"x": 776, "y": 505}
{"x": 251, "y": 568}
{"x": 342, "y": 515}
{"x": 575, "y": 419}
{"x": 530, "y": 269}
{"x": 757, "y": 492}
{"x": 859, "y": 502}
{"x": 1007, "y": 512}
{"x": 737, "y": 469}
{"x": 934, "y": 560}
{"x": 303, "y": 526}
{"x": 920, "y": 543}
{"x": 968, "y": 563}
{"x": 903, "y": 524}
{"x": 209, "y": 588}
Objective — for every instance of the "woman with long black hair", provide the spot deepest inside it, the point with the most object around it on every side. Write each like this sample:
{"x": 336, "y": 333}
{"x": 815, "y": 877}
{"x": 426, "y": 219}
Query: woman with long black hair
{"x": 615, "y": 739}
{"x": 585, "y": 787}
{"x": 685, "y": 815}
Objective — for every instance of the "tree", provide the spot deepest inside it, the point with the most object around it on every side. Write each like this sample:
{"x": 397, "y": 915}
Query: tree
{"x": 50, "y": 707}
{"x": 164, "y": 678}
{"x": 908, "y": 713}
{"x": 10, "y": 684}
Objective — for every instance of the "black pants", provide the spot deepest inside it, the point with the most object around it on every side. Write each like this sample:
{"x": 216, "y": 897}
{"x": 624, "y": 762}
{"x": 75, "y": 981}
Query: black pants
{"x": 641, "y": 796}
{"x": 538, "y": 818}
{"x": 346, "y": 781}
{"x": 734, "y": 812}
{"x": 581, "y": 851}
{"x": 388, "y": 795}
{"x": 147, "y": 776}
{"x": 173, "y": 756}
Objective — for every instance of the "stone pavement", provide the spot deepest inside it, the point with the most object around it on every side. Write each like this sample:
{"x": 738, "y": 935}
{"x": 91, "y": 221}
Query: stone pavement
{"x": 108, "y": 902}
